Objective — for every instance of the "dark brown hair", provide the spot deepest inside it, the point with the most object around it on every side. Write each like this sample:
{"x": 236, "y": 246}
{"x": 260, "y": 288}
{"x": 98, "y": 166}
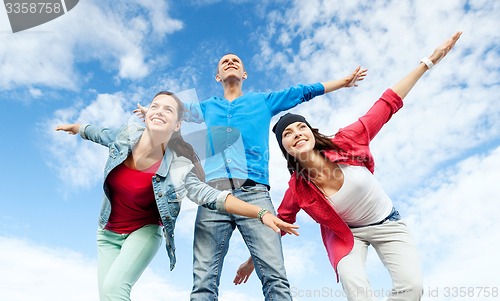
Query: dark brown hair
{"x": 177, "y": 142}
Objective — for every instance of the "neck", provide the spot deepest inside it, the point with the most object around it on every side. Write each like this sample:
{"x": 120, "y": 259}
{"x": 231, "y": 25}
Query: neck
{"x": 232, "y": 89}
{"x": 315, "y": 165}
{"x": 150, "y": 145}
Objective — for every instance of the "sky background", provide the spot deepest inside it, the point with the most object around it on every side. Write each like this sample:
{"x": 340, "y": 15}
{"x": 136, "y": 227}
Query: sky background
{"x": 438, "y": 158}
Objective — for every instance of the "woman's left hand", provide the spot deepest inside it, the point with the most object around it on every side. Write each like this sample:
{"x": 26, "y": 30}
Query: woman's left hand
{"x": 277, "y": 224}
{"x": 444, "y": 48}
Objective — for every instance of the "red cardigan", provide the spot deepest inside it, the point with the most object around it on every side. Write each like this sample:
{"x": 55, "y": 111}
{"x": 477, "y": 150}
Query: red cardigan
{"x": 354, "y": 140}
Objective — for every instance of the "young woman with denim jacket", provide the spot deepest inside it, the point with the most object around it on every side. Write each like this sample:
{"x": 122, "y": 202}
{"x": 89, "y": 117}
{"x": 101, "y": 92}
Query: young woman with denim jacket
{"x": 148, "y": 172}
{"x": 332, "y": 181}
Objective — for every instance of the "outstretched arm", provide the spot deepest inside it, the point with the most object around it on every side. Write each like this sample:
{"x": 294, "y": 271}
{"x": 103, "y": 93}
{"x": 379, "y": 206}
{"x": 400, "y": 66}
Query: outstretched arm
{"x": 366, "y": 127}
{"x": 403, "y": 87}
{"x": 346, "y": 82}
{"x": 234, "y": 205}
{"x": 69, "y": 128}
{"x": 203, "y": 194}
{"x": 96, "y": 134}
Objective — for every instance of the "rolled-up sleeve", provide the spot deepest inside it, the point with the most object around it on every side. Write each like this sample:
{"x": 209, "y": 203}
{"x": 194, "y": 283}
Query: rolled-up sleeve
{"x": 203, "y": 194}
{"x": 220, "y": 204}
{"x": 100, "y": 135}
{"x": 367, "y": 126}
{"x": 193, "y": 112}
{"x": 81, "y": 131}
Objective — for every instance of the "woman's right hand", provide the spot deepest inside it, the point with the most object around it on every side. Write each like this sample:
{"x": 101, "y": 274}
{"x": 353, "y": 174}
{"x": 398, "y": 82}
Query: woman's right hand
{"x": 277, "y": 224}
{"x": 72, "y": 129}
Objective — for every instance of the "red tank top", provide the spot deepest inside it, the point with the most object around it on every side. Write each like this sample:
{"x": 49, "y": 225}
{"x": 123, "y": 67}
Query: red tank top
{"x": 133, "y": 203}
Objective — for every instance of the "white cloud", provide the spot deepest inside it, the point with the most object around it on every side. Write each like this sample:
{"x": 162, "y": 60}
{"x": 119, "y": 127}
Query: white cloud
{"x": 455, "y": 224}
{"x": 107, "y": 110}
{"x": 34, "y": 272}
{"x": 425, "y": 154}
{"x": 132, "y": 66}
{"x": 299, "y": 260}
{"x": 81, "y": 163}
{"x": 114, "y": 36}
{"x": 35, "y": 93}
{"x": 232, "y": 295}
{"x": 421, "y": 155}
{"x": 161, "y": 24}
{"x": 211, "y": 2}
{"x": 180, "y": 80}
{"x": 451, "y": 110}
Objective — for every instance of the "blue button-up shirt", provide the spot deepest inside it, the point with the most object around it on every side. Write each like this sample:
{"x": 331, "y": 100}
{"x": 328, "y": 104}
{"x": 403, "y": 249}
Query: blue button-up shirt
{"x": 238, "y": 131}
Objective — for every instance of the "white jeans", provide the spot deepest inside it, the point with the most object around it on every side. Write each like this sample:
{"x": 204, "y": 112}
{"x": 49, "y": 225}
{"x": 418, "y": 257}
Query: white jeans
{"x": 397, "y": 251}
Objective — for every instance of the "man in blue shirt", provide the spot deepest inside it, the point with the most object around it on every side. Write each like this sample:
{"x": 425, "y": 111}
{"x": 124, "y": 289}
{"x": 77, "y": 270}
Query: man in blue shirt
{"x": 237, "y": 159}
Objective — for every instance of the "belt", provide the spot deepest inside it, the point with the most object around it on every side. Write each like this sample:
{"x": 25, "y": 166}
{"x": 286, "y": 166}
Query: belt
{"x": 393, "y": 216}
{"x": 232, "y": 183}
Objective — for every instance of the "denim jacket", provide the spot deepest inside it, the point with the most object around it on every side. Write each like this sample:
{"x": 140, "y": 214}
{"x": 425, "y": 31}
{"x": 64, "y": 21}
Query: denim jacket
{"x": 173, "y": 180}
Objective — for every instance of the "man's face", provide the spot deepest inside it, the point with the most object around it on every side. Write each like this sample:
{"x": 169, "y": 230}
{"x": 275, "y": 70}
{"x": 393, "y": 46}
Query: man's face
{"x": 229, "y": 66}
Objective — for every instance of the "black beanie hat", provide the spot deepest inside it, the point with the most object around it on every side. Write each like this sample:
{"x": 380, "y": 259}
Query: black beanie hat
{"x": 285, "y": 121}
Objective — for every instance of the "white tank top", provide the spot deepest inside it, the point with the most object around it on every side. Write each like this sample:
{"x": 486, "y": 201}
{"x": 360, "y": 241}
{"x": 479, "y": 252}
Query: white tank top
{"x": 360, "y": 201}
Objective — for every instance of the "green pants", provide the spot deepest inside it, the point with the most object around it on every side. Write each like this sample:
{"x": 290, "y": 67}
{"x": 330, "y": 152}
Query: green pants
{"x": 122, "y": 258}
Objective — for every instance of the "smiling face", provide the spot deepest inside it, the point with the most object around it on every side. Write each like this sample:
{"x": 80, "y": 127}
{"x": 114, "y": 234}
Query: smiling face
{"x": 298, "y": 139}
{"x": 163, "y": 115}
{"x": 230, "y": 66}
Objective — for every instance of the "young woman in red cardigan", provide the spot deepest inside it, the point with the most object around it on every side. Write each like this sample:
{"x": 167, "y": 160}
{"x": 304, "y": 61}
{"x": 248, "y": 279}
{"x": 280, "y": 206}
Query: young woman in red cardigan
{"x": 332, "y": 181}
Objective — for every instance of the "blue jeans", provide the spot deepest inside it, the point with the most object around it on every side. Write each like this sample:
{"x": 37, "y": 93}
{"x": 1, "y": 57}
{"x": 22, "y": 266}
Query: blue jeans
{"x": 122, "y": 258}
{"x": 211, "y": 242}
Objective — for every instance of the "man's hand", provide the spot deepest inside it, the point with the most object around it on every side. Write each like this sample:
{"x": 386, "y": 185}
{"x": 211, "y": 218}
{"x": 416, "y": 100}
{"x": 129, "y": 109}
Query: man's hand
{"x": 346, "y": 82}
{"x": 358, "y": 75}
{"x": 244, "y": 272}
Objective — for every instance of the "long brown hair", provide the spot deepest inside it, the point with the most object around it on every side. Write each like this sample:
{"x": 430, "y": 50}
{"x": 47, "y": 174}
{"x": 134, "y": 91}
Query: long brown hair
{"x": 177, "y": 142}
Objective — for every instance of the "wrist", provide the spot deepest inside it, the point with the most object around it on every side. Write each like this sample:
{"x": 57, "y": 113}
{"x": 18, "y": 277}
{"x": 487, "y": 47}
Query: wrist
{"x": 346, "y": 82}
{"x": 427, "y": 61}
{"x": 261, "y": 214}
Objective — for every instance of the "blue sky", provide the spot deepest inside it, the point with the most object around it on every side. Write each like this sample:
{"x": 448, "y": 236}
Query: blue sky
{"x": 438, "y": 158}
